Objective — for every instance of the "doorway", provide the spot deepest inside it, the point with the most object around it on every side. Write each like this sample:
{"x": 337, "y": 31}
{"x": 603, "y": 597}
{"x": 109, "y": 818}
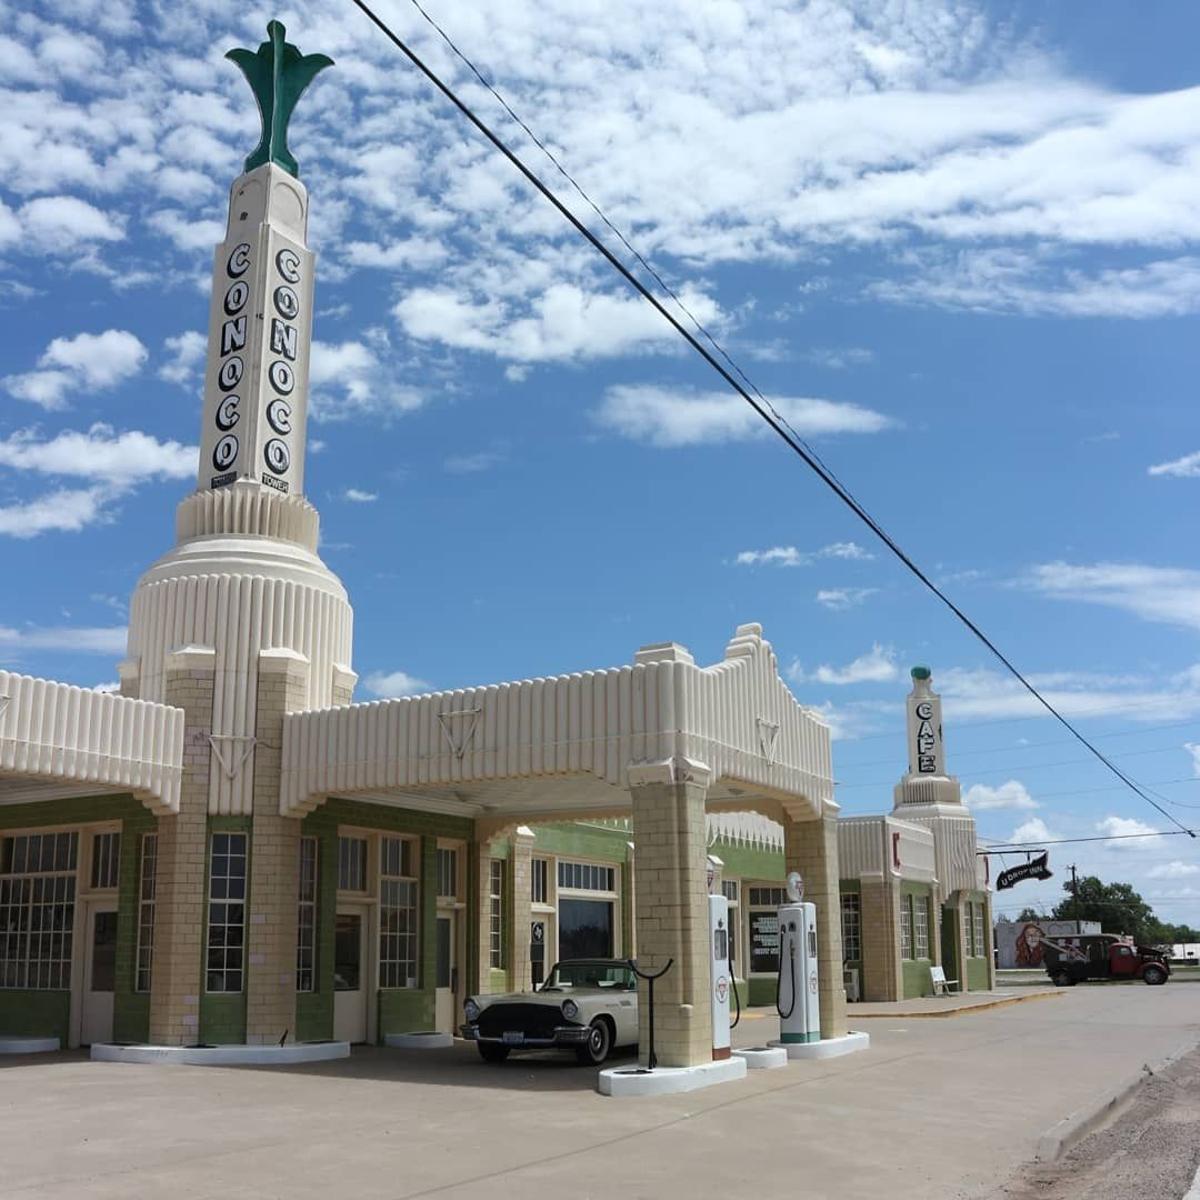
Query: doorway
{"x": 350, "y": 985}
{"x": 99, "y": 974}
{"x": 446, "y": 992}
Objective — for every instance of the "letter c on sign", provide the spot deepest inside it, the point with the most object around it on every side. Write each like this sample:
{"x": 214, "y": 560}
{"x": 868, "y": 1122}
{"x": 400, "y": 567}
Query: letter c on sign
{"x": 239, "y": 260}
{"x": 279, "y": 413}
{"x": 925, "y": 710}
{"x": 288, "y": 263}
{"x": 227, "y": 413}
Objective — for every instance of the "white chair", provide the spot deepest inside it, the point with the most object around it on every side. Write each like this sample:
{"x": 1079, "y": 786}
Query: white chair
{"x": 941, "y": 985}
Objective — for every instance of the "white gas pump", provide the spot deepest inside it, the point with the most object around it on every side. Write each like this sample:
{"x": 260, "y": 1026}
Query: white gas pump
{"x": 721, "y": 977}
{"x": 796, "y": 997}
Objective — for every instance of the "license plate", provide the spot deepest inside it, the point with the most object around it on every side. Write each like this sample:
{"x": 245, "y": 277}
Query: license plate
{"x": 512, "y": 1038}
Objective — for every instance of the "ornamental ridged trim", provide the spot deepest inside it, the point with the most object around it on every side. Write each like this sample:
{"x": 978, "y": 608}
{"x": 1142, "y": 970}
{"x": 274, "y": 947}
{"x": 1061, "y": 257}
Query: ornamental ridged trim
{"x": 595, "y": 723}
{"x": 55, "y": 732}
{"x": 240, "y": 510}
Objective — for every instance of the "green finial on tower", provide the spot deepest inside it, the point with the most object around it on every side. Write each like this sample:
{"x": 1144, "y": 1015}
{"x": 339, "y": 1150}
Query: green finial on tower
{"x": 278, "y": 74}
{"x": 920, "y": 672}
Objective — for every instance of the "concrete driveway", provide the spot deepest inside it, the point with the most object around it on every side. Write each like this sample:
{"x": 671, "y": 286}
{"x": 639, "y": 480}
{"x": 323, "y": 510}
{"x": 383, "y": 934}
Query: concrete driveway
{"x": 936, "y": 1108}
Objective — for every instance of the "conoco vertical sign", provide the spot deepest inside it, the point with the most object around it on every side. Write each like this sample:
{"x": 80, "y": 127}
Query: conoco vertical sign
{"x": 256, "y": 387}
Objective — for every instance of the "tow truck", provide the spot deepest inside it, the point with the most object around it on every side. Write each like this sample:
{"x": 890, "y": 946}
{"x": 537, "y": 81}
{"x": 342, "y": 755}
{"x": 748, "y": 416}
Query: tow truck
{"x": 1071, "y": 960}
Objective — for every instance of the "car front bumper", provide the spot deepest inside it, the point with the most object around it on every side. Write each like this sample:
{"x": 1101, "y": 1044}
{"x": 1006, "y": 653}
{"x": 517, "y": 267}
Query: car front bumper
{"x": 562, "y": 1036}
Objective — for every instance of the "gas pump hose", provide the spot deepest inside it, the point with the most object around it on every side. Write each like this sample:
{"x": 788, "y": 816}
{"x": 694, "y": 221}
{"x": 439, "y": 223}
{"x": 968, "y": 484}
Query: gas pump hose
{"x": 779, "y": 983}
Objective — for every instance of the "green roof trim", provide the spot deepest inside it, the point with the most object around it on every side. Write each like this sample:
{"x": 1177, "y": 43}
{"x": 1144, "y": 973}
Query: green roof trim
{"x": 277, "y": 74}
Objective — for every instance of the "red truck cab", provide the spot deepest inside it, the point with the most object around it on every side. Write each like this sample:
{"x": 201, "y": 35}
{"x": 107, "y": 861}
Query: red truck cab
{"x": 1070, "y": 960}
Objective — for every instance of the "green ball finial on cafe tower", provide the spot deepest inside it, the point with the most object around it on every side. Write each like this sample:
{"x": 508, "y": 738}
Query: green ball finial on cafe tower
{"x": 920, "y": 672}
{"x": 278, "y": 74}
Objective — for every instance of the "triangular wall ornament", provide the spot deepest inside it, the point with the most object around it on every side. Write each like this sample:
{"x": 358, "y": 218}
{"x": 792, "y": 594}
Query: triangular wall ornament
{"x": 231, "y": 751}
{"x": 459, "y": 728}
{"x": 768, "y": 738}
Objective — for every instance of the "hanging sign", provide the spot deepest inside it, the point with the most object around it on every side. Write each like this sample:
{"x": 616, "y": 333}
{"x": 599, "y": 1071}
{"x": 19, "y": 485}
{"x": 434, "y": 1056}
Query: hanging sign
{"x": 1035, "y": 868}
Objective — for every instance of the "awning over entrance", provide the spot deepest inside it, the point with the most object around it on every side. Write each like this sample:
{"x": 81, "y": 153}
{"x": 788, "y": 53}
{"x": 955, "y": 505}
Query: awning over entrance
{"x": 58, "y": 740}
{"x": 496, "y": 749}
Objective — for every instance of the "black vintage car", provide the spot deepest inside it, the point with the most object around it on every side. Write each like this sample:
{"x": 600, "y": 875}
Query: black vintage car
{"x": 588, "y": 1005}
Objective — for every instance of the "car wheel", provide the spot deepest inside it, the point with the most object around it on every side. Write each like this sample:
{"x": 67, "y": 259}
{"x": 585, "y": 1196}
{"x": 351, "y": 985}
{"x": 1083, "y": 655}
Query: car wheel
{"x": 599, "y": 1042}
{"x": 492, "y": 1053}
{"x": 1154, "y": 976}
{"x": 1062, "y": 979}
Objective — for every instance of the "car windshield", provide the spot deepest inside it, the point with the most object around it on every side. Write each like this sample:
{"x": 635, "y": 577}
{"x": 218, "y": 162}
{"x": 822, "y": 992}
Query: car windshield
{"x": 583, "y": 973}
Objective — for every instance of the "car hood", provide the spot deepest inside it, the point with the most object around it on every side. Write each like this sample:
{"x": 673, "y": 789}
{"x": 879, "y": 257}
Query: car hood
{"x": 554, "y": 999}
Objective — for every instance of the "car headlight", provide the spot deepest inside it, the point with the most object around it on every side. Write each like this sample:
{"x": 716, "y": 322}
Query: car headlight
{"x": 471, "y": 1011}
{"x": 570, "y": 1009}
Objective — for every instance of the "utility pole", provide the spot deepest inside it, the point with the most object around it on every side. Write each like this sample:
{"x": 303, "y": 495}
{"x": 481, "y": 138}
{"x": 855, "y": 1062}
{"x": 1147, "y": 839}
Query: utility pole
{"x": 1075, "y": 893}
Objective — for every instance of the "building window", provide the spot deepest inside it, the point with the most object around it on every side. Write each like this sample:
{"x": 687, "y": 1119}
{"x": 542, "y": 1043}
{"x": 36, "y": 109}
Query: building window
{"x": 496, "y": 912}
{"x": 730, "y": 889}
{"x": 147, "y": 885}
{"x": 906, "y": 927}
{"x": 352, "y": 864}
{"x": 398, "y": 888}
{"x": 37, "y": 910}
{"x": 585, "y": 877}
{"x": 851, "y": 927}
{"x": 226, "y": 912}
{"x": 980, "y": 950}
{"x": 767, "y": 897}
{"x": 920, "y": 907}
{"x": 447, "y": 872}
{"x": 106, "y": 859}
{"x": 539, "y": 886}
{"x": 306, "y": 917}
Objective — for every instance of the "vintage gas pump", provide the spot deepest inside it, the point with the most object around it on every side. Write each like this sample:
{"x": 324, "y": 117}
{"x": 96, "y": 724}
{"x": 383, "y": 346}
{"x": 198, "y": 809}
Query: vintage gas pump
{"x": 720, "y": 973}
{"x": 796, "y": 998}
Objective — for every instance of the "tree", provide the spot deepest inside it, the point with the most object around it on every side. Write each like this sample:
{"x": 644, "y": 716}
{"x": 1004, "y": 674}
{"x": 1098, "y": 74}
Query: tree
{"x": 1117, "y": 907}
{"x": 1031, "y": 915}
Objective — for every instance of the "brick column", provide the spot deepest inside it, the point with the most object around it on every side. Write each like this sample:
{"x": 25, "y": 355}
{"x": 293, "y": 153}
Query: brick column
{"x": 882, "y": 979}
{"x": 481, "y": 854}
{"x": 274, "y": 857}
{"x": 811, "y": 847}
{"x": 989, "y": 934}
{"x": 519, "y": 971}
{"x": 672, "y": 908}
{"x": 176, "y": 975}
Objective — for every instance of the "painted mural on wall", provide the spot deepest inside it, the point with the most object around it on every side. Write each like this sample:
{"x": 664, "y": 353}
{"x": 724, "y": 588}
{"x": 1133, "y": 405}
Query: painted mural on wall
{"x": 1034, "y": 944}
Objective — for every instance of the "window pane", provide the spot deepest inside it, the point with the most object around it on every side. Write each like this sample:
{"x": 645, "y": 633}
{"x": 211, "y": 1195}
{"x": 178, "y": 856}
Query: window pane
{"x": 226, "y": 921}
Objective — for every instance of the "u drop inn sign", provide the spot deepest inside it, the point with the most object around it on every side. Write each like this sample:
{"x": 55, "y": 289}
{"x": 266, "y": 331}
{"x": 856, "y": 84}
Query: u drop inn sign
{"x": 1035, "y": 868}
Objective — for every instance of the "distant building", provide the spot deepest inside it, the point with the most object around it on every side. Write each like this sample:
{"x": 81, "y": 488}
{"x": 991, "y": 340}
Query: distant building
{"x": 1019, "y": 943}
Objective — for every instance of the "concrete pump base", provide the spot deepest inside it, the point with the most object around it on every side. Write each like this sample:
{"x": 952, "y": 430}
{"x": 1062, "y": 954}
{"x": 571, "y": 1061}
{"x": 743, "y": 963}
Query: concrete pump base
{"x": 426, "y": 1040}
{"x": 28, "y": 1045}
{"x": 758, "y": 1058}
{"x": 827, "y": 1047}
{"x": 223, "y": 1056}
{"x": 667, "y": 1081}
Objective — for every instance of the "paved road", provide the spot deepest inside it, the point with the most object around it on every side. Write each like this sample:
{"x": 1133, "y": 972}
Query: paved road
{"x": 937, "y": 1108}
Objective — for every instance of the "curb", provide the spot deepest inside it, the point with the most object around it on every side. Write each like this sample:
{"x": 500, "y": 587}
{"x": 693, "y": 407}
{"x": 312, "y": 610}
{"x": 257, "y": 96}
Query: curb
{"x": 965, "y": 1011}
{"x": 1071, "y": 1130}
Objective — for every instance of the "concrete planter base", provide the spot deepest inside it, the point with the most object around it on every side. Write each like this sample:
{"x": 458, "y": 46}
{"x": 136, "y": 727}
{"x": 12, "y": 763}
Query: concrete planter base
{"x": 758, "y": 1058}
{"x": 223, "y": 1056}
{"x": 430, "y": 1040}
{"x": 667, "y": 1081}
{"x": 827, "y": 1047}
{"x": 29, "y": 1045}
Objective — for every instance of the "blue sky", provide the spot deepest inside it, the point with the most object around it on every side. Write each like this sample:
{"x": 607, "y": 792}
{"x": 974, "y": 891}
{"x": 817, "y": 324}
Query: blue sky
{"x": 956, "y": 242}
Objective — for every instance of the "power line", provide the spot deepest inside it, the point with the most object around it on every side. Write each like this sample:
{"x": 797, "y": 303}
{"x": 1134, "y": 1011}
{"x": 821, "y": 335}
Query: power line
{"x": 761, "y": 405}
{"x": 1010, "y": 847}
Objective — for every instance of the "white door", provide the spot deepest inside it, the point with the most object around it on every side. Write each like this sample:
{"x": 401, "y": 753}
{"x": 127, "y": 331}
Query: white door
{"x": 446, "y": 995}
{"x": 99, "y": 974}
{"x": 350, "y": 976}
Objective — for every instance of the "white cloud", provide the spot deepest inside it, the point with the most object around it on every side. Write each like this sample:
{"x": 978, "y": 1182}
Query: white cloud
{"x": 789, "y": 556}
{"x": 679, "y": 417}
{"x": 62, "y": 225}
{"x": 1187, "y": 467}
{"x": 349, "y": 380}
{"x": 87, "y": 360}
{"x": 63, "y": 511}
{"x": 118, "y": 459}
{"x": 96, "y": 640}
{"x": 878, "y": 665}
{"x": 1167, "y": 594}
{"x": 1012, "y": 794}
{"x": 1033, "y": 830}
{"x": 356, "y": 496}
{"x": 1174, "y": 870}
{"x": 392, "y": 684}
{"x": 470, "y": 464}
{"x": 1127, "y": 828}
{"x": 840, "y": 599}
{"x": 187, "y": 352}
{"x": 839, "y": 358}
{"x": 1193, "y": 748}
